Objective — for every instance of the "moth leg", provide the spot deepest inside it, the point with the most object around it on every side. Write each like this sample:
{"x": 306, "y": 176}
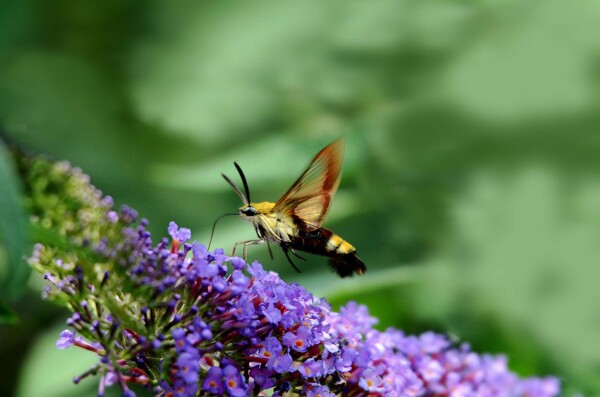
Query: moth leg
{"x": 297, "y": 255}
{"x": 285, "y": 251}
{"x": 269, "y": 247}
{"x": 246, "y": 244}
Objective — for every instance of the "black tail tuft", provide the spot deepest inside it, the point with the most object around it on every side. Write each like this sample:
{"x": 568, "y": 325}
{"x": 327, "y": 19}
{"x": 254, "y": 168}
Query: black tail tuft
{"x": 347, "y": 264}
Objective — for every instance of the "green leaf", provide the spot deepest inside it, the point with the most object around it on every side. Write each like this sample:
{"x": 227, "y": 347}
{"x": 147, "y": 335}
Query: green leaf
{"x": 65, "y": 365}
{"x": 13, "y": 230}
{"x": 7, "y": 315}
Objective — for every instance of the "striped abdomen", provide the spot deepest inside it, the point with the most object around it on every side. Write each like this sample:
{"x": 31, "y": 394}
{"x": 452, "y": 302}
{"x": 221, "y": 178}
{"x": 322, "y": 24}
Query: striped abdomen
{"x": 323, "y": 241}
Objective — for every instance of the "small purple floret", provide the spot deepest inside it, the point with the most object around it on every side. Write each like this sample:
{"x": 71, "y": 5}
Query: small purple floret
{"x": 66, "y": 339}
{"x": 213, "y": 383}
{"x": 180, "y": 234}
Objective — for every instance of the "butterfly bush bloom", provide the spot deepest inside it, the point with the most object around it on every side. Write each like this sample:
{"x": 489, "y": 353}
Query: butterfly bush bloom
{"x": 181, "y": 320}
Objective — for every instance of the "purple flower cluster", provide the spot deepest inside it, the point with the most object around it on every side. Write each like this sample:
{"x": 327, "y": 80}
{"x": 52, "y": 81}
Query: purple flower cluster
{"x": 214, "y": 325}
{"x": 430, "y": 365}
{"x": 183, "y": 321}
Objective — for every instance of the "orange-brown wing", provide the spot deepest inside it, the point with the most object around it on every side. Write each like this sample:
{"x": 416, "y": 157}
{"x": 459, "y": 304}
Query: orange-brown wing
{"x": 309, "y": 197}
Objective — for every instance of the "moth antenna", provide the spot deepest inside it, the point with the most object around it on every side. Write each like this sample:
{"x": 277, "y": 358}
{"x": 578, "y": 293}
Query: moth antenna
{"x": 212, "y": 232}
{"x": 237, "y": 189}
{"x": 243, "y": 181}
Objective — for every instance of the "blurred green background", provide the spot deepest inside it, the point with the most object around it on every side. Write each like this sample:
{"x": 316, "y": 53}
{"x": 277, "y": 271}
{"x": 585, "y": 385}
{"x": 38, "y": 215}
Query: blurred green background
{"x": 471, "y": 182}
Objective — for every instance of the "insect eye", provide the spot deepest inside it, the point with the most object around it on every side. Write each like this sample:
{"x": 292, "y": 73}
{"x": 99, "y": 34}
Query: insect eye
{"x": 249, "y": 211}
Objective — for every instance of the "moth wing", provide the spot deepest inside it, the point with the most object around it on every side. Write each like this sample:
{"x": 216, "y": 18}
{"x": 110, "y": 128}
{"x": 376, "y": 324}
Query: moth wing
{"x": 309, "y": 197}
